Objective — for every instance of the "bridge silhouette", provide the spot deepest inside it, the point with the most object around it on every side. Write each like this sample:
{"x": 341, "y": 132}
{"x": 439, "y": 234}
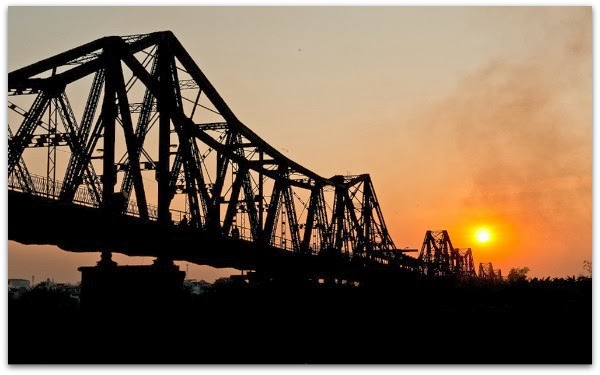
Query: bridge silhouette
{"x": 151, "y": 161}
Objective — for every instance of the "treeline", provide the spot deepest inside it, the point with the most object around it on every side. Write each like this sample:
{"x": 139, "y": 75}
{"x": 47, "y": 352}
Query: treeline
{"x": 417, "y": 321}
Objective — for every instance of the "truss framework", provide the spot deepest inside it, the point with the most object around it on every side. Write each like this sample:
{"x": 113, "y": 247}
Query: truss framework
{"x": 154, "y": 132}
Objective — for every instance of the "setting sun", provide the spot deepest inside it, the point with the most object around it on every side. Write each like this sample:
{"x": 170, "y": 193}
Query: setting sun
{"x": 483, "y": 235}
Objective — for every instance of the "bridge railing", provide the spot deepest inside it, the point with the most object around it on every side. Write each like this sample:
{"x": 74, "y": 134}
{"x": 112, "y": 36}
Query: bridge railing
{"x": 49, "y": 188}
{"x": 245, "y": 233}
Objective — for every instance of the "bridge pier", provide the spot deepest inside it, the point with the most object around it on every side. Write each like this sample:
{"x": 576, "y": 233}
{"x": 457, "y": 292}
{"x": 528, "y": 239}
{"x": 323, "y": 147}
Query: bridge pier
{"x": 126, "y": 290}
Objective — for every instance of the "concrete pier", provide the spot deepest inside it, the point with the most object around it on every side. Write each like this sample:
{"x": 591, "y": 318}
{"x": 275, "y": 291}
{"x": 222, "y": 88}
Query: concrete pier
{"x": 110, "y": 287}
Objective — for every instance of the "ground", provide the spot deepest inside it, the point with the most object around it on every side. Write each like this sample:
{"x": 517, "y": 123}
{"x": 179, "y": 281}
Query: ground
{"x": 535, "y": 322}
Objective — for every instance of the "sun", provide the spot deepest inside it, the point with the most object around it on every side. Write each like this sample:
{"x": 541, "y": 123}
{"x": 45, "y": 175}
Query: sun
{"x": 483, "y": 235}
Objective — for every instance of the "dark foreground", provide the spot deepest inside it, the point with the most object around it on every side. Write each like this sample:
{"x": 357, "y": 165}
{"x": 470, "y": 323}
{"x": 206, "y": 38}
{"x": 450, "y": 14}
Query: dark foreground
{"x": 528, "y": 323}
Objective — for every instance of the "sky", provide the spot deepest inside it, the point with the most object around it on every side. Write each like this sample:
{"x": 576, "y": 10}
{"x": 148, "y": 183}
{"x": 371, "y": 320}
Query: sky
{"x": 465, "y": 117}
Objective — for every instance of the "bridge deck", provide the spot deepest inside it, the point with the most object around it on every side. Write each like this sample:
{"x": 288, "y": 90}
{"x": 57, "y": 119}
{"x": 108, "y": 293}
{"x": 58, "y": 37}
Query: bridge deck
{"x": 78, "y": 228}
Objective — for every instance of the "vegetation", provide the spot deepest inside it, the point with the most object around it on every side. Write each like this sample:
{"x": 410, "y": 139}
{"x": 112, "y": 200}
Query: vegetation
{"x": 469, "y": 321}
{"x": 587, "y": 266}
{"x": 517, "y": 275}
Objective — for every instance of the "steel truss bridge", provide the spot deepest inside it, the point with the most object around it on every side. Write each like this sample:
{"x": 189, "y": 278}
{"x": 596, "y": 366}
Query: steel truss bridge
{"x": 123, "y": 145}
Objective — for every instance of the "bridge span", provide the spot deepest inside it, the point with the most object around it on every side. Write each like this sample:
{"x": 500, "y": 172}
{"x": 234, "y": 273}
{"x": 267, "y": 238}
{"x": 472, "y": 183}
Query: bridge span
{"x": 123, "y": 145}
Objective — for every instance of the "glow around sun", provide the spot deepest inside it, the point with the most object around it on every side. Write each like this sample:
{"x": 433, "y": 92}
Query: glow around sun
{"x": 483, "y": 235}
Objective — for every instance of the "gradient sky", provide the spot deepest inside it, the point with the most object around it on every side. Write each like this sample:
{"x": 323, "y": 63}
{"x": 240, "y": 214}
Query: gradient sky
{"x": 464, "y": 117}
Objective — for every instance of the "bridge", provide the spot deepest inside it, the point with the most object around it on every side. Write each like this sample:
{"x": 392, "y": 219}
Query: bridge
{"x": 123, "y": 145}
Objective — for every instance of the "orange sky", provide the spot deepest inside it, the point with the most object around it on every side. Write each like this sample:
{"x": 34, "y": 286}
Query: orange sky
{"x": 464, "y": 117}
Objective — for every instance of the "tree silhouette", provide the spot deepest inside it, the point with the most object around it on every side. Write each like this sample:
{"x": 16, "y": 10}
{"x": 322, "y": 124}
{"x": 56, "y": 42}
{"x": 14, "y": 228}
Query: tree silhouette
{"x": 517, "y": 274}
{"x": 587, "y": 266}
